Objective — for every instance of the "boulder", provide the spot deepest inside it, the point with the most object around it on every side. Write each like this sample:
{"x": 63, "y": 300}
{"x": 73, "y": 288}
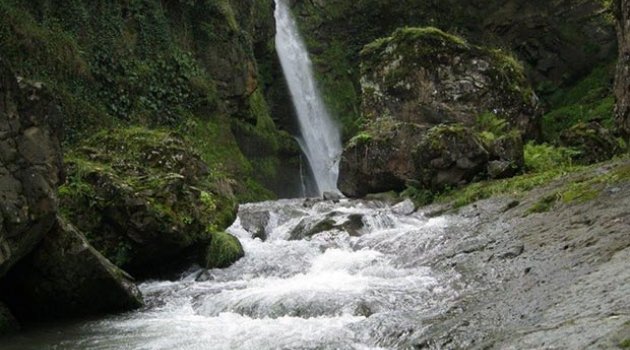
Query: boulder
{"x": 593, "y": 142}
{"x": 66, "y": 277}
{"x": 144, "y": 198}
{"x": 440, "y": 113}
{"x": 223, "y": 251}
{"x": 428, "y": 77}
{"x": 621, "y": 9}
{"x": 255, "y": 222}
{"x": 30, "y": 165}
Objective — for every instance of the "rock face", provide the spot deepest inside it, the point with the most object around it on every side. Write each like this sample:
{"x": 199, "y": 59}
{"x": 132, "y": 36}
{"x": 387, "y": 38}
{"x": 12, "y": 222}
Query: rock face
{"x": 622, "y": 80}
{"x": 66, "y": 277}
{"x": 30, "y": 165}
{"x": 427, "y": 77}
{"x": 144, "y": 198}
{"x": 449, "y": 156}
{"x": 380, "y": 160}
{"x": 440, "y": 113}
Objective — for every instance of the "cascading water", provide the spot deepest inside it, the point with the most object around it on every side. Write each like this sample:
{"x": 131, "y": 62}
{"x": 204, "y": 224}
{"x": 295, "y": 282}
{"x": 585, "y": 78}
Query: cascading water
{"x": 320, "y": 137}
{"x": 361, "y": 281}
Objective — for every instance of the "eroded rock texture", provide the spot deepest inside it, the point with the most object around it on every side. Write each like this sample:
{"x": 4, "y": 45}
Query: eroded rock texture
{"x": 30, "y": 165}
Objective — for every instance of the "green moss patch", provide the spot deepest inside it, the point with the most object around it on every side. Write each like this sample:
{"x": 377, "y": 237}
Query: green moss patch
{"x": 589, "y": 99}
{"x": 224, "y": 250}
{"x": 139, "y": 194}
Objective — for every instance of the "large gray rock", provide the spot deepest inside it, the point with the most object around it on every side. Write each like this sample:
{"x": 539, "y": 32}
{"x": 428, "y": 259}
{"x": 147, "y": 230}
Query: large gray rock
{"x": 622, "y": 81}
{"x": 66, "y": 277}
{"x": 30, "y": 165}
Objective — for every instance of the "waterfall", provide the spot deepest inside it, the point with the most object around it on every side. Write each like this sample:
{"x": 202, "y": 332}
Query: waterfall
{"x": 320, "y": 137}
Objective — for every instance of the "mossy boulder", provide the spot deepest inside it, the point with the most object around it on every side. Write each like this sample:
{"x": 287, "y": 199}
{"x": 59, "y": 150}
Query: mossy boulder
{"x": 593, "y": 142}
{"x": 66, "y": 277}
{"x": 428, "y": 77}
{"x": 144, "y": 198}
{"x": 223, "y": 251}
{"x": 30, "y": 164}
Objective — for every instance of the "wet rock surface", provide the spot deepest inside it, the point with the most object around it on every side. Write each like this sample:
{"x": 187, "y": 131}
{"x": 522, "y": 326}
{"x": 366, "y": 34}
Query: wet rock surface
{"x": 557, "y": 279}
{"x": 66, "y": 277}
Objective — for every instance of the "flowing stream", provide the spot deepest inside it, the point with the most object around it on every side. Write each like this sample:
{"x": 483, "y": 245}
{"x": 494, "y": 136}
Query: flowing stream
{"x": 348, "y": 275}
{"x": 320, "y": 137}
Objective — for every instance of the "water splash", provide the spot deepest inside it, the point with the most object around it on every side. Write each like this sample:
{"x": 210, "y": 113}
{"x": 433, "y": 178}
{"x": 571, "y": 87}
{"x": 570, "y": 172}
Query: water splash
{"x": 320, "y": 138}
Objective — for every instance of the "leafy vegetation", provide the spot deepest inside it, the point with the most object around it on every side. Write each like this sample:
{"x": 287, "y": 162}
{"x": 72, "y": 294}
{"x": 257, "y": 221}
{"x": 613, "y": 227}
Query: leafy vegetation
{"x": 590, "y": 99}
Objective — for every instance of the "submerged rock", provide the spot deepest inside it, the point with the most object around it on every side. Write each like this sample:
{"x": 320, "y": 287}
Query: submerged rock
{"x": 255, "y": 222}
{"x": 66, "y": 277}
{"x": 30, "y": 165}
{"x": 144, "y": 198}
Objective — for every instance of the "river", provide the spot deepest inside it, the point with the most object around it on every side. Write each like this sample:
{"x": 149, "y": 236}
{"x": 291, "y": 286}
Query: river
{"x": 363, "y": 282}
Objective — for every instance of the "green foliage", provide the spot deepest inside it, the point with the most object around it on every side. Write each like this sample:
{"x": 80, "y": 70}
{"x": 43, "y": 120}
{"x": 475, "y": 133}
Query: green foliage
{"x": 490, "y": 122}
{"x": 544, "y": 157}
{"x": 544, "y": 204}
{"x": 418, "y": 195}
{"x": 338, "y": 90}
{"x": 513, "y": 186}
{"x": 589, "y": 99}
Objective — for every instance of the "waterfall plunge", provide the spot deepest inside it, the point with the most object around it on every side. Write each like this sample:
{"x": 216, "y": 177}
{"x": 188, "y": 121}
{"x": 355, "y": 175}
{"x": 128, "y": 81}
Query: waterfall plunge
{"x": 320, "y": 137}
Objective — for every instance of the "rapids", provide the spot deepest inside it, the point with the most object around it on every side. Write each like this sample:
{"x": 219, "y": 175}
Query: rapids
{"x": 367, "y": 287}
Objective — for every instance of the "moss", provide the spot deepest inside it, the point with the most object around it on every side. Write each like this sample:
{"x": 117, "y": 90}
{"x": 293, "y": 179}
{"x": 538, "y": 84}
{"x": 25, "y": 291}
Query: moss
{"x": 544, "y": 157}
{"x": 361, "y": 138}
{"x": 223, "y": 251}
{"x": 625, "y": 344}
{"x": 515, "y": 186}
{"x": 544, "y": 204}
{"x": 419, "y": 196}
{"x": 589, "y": 99}
{"x": 156, "y": 173}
